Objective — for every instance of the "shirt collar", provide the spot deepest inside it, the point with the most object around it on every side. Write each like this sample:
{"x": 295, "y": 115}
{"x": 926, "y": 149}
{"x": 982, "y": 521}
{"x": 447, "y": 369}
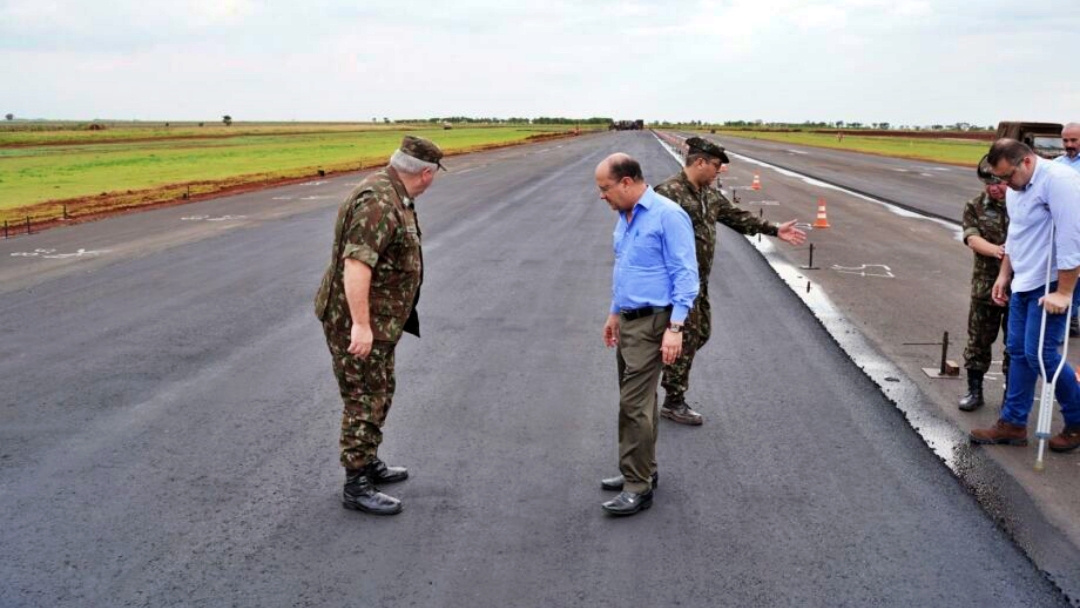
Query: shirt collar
{"x": 646, "y": 200}
{"x": 399, "y": 186}
{"x": 1036, "y": 174}
{"x": 685, "y": 179}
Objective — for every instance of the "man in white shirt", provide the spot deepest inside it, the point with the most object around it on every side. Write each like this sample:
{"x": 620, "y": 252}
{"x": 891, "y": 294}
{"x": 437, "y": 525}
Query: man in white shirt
{"x": 1043, "y": 202}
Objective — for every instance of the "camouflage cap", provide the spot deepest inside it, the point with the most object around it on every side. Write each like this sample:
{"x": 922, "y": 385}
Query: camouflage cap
{"x": 422, "y": 149}
{"x": 704, "y": 146}
{"x": 984, "y": 173}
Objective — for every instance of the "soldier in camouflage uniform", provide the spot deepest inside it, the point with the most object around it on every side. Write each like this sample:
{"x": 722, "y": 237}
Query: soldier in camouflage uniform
{"x": 692, "y": 188}
{"x": 366, "y": 300}
{"x": 986, "y": 222}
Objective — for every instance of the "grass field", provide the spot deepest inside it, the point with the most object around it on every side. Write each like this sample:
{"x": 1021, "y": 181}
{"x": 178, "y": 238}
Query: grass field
{"x": 950, "y": 151}
{"x": 146, "y": 165}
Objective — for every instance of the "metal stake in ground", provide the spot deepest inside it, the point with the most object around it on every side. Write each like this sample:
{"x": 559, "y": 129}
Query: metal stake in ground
{"x": 1046, "y": 400}
{"x": 810, "y": 264}
{"x": 947, "y": 369}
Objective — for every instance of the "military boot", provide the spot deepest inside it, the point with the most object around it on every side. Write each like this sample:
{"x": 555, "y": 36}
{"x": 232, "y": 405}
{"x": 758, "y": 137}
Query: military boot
{"x": 361, "y": 494}
{"x": 973, "y": 400}
{"x": 676, "y": 410}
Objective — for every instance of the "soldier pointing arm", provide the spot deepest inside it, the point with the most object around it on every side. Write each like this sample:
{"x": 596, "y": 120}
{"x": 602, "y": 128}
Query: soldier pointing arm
{"x": 692, "y": 189}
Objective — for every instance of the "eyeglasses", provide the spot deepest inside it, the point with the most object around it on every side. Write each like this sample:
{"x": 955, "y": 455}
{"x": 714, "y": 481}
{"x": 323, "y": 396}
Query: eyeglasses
{"x": 1005, "y": 179}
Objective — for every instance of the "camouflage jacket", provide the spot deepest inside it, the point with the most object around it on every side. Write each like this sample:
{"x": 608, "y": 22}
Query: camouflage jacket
{"x": 706, "y": 207}
{"x": 376, "y": 225}
{"x": 985, "y": 217}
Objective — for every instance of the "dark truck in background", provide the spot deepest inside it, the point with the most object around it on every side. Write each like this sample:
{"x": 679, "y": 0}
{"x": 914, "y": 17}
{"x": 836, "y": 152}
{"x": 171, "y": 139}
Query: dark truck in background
{"x": 1043, "y": 137}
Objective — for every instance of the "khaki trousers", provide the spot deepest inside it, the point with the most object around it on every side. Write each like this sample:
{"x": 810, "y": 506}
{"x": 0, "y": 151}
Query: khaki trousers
{"x": 640, "y": 365}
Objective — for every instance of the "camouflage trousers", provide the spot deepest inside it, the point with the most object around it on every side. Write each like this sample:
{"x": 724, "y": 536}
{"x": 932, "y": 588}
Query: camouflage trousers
{"x": 696, "y": 332}
{"x": 984, "y": 321}
{"x": 367, "y": 389}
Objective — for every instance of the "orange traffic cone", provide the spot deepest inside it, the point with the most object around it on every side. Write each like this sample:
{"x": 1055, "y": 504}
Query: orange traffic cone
{"x": 757, "y": 182}
{"x": 821, "y": 221}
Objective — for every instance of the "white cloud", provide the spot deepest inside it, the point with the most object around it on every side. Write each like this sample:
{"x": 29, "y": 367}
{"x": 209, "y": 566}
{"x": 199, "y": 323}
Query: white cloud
{"x": 906, "y": 61}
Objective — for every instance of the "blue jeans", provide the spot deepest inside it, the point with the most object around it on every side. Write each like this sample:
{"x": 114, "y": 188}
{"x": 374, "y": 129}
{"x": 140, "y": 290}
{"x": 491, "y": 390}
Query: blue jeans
{"x": 1022, "y": 343}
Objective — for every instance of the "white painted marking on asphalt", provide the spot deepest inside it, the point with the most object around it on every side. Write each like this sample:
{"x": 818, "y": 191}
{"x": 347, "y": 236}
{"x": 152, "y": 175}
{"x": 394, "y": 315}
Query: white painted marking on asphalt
{"x": 866, "y": 270}
{"x": 315, "y": 197}
{"x": 957, "y": 230}
{"x": 797, "y": 152}
{"x": 927, "y": 174}
{"x": 207, "y": 218}
{"x": 314, "y": 183}
{"x": 50, "y": 254}
{"x": 282, "y": 198}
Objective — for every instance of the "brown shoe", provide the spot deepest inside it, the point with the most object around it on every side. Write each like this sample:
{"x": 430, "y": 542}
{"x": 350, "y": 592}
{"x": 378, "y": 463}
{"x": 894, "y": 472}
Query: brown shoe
{"x": 681, "y": 413}
{"x": 1001, "y": 432}
{"x": 1067, "y": 440}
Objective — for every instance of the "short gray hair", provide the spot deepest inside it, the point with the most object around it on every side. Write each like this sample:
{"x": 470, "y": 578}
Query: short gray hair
{"x": 410, "y": 164}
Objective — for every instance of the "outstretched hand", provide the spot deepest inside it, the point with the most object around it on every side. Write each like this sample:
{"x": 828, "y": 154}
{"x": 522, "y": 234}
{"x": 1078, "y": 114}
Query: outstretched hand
{"x": 788, "y": 233}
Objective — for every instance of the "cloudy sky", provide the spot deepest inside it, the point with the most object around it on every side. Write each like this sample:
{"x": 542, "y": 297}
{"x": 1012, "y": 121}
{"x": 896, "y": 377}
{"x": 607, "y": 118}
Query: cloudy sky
{"x": 900, "y": 61}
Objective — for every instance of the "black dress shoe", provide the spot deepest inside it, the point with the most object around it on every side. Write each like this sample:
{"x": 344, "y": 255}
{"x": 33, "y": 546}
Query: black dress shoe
{"x": 628, "y": 503}
{"x": 380, "y": 473}
{"x": 360, "y": 494}
{"x": 615, "y": 484}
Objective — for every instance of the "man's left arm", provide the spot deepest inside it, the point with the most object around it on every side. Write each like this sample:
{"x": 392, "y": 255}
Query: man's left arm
{"x": 680, "y": 258}
{"x": 1063, "y": 195}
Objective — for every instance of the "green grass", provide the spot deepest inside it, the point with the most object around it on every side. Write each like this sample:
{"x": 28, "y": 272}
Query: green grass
{"x": 33, "y": 133}
{"x": 37, "y": 174}
{"x": 950, "y": 151}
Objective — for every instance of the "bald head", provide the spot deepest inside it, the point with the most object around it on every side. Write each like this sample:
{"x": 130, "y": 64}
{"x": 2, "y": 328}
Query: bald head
{"x": 620, "y": 165}
{"x": 620, "y": 181}
{"x": 1070, "y": 139}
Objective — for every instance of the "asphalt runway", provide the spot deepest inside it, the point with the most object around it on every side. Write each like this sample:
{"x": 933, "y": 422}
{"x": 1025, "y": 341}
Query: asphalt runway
{"x": 168, "y": 416}
{"x": 924, "y": 187}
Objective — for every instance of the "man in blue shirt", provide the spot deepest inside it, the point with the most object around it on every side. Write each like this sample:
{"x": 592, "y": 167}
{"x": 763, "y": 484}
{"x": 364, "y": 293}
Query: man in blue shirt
{"x": 654, "y": 284}
{"x": 1043, "y": 200}
{"x": 1070, "y": 140}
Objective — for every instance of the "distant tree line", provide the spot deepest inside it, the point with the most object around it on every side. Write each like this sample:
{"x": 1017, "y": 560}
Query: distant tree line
{"x": 542, "y": 120}
{"x": 840, "y": 124}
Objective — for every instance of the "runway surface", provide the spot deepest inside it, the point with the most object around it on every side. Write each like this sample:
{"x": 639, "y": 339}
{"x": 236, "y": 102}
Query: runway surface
{"x": 168, "y": 416}
{"x": 922, "y": 186}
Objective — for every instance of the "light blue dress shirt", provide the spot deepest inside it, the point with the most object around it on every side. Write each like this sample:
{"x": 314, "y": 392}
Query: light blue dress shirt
{"x": 1069, "y": 162}
{"x": 1051, "y": 199}
{"x": 655, "y": 260}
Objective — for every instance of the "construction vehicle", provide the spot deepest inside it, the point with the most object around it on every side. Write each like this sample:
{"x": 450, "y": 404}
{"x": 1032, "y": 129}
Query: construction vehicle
{"x": 1043, "y": 137}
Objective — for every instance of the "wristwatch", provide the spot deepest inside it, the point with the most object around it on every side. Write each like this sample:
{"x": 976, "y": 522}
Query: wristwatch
{"x": 675, "y": 329}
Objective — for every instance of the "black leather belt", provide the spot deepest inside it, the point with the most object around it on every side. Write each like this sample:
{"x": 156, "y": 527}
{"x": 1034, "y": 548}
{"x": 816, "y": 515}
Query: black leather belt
{"x": 645, "y": 311}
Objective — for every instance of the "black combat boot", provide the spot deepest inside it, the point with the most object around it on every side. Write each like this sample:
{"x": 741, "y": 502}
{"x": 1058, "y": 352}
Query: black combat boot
{"x": 973, "y": 400}
{"x": 381, "y": 473}
{"x": 676, "y": 410}
{"x": 362, "y": 495}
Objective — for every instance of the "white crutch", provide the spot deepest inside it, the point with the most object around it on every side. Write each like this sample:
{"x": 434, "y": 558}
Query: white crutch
{"x": 1046, "y": 401}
